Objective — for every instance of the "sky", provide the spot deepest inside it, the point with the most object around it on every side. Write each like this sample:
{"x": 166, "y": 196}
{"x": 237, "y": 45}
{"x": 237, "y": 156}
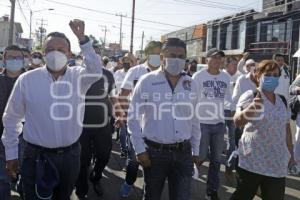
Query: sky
{"x": 166, "y": 16}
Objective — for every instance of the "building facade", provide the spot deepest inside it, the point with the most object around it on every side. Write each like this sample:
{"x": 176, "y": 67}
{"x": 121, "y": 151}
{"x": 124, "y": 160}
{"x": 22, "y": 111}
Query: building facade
{"x": 195, "y": 38}
{"x": 4, "y": 32}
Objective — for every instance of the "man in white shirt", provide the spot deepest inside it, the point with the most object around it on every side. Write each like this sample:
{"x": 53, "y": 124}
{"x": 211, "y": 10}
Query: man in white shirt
{"x": 119, "y": 76}
{"x": 245, "y": 65}
{"x": 51, "y": 99}
{"x": 231, "y": 70}
{"x": 284, "y": 80}
{"x": 167, "y": 140}
{"x": 152, "y": 51}
{"x": 214, "y": 90}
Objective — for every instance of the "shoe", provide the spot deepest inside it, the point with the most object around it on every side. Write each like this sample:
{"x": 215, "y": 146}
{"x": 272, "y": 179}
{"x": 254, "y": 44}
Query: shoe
{"x": 98, "y": 188}
{"x": 125, "y": 190}
{"x": 212, "y": 196}
{"x": 82, "y": 197}
{"x": 96, "y": 185}
{"x": 123, "y": 154}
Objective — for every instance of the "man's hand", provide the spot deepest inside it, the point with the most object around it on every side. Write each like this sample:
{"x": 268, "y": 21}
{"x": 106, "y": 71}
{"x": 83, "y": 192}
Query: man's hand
{"x": 78, "y": 27}
{"x": 12, "y": 168}
{"x": 246, "y": 55}
{"x": 198, "y": 162}
{"x": 257, "y": 101}
{"x": 292, "y": 161}
{"x": 119, "y": 122}
{"x": 143, "y": 159}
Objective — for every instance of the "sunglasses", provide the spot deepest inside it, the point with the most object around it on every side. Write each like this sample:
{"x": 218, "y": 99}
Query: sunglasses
{"x": 37, "y": 56}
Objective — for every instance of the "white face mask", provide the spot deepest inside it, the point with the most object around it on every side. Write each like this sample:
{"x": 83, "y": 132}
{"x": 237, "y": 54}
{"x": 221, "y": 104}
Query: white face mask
{"x": 154, "y": 60}
{"x": 174, "y": 66}
{"x": 56, "y": 60}
{"x": 36, "y": 61}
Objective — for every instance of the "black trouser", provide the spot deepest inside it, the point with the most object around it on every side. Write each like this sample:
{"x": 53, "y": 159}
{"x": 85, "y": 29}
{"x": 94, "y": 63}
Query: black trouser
{"x": 248, "y": 183}
{"x": 67, "y": 163}
{"x": 97, "y": 143}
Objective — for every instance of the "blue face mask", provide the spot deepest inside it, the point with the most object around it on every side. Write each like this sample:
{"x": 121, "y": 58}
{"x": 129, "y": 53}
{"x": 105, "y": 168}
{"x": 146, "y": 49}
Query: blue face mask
{"x": 269, "y": 83}
{"x": 14, "y": 65}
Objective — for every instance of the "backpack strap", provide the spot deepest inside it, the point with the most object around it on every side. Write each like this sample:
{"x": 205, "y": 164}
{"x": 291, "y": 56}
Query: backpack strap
{"x": 281, "y": 96}
{"x": 283, "y": 100}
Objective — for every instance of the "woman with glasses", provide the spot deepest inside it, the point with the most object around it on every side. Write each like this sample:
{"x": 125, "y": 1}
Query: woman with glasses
{"x": 36, "y": 60}
{"x": 265, "y": 146}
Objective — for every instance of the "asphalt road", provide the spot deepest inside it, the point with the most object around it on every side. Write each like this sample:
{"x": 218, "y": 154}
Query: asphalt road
{"x": 114, "y": 177}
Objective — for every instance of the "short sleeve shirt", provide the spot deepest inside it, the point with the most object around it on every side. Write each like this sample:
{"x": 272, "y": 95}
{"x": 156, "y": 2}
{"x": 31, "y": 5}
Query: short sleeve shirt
{"x": 262, "y": 147}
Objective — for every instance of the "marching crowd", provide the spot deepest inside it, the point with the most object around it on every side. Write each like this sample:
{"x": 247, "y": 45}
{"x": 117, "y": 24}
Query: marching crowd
{"x": 59, "y": 111}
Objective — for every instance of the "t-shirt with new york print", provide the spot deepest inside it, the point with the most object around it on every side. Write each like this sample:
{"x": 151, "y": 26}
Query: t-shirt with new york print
{"x": 213, "y": 90}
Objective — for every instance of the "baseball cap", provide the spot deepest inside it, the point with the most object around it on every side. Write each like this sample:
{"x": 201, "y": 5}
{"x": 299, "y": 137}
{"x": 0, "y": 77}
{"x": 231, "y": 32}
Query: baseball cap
{"x": 214, "y": 51}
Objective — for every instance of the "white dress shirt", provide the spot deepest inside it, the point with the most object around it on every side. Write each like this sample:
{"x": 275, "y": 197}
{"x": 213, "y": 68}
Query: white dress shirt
{"x": 53, "y": 110}
{"x": 284, "y": 84}
{"x": 133, "y": 76}
{"x": 119, "y": 76}
{"x": 243, "y": 84}
{"x": 162, "y": 115}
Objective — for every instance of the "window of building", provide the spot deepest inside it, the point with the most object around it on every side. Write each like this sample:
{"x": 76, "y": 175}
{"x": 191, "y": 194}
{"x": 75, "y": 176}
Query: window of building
{"x": 228, "y": 36}
{"x": 223, "y": 36}
{"x": 279, "y": 2}
{"x": 279, "y": 32}
{"x": 215, "y": 36}
{"x": 242, "y": 35}
{"x": 209, "y": 37}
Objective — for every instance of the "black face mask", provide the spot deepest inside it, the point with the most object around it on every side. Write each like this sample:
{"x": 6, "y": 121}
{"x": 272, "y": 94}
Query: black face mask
{"x": 126, "y": 65}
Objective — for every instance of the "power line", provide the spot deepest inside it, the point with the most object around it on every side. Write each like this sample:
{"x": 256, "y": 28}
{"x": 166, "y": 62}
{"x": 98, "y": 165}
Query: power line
{"x": 23, "y": 13}
{"x": 211, "y": 5}
{"x": 108, "y": 13}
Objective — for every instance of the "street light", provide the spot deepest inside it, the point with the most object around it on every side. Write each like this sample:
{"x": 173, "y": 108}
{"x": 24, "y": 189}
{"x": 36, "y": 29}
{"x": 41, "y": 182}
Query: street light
{"x": 31, "y": 13}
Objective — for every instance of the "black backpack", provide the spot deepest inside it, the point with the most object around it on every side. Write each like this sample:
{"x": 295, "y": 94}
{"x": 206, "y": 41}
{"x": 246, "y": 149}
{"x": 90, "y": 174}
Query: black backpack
{"x": 295, "y": 106}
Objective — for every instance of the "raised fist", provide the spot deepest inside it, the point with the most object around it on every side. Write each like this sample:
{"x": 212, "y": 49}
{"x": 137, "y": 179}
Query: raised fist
{"x": 77, "y": 27}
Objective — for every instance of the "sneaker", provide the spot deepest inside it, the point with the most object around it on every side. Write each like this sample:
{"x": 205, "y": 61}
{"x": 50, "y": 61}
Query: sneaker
{"x": 212, "y": 196}
{"x": 125, "y": 190}
{"x": 123, "y": 154}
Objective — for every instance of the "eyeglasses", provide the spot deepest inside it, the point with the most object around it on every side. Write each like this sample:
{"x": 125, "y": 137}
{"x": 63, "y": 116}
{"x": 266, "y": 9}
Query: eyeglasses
{"x": 14, "y": 57}
{"x": 36, "y": 56}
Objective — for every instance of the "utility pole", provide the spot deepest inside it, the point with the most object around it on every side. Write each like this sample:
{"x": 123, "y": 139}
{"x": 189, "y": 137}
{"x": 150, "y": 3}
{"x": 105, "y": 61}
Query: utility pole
{"x": 105, "y": 31}
{"x": 132, "y": 26}
{"x": 42, "y": 30}
{"x": 142, "y": 47}
{"x": 12, "y": 22}
{"x": 121, "y": 27}
{"x": 30, "y": 26}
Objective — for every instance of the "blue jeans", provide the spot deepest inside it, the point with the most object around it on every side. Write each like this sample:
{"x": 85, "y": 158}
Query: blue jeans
{"x": 211, "y": 144}
{"x": 123, "y": 137}
{"x": 67, "y": 164}
{"x": 132, "y": 164}
{"x": 231, "y": 136}
{"x": 176, "y": 166}
{"x": 4, "y": 179}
